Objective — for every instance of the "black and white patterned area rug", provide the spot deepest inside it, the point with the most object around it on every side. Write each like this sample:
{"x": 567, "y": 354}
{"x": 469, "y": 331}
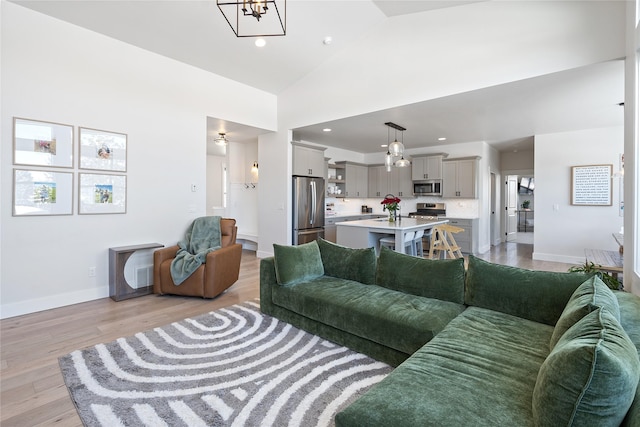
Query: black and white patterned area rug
{"x": 230, "y": 367}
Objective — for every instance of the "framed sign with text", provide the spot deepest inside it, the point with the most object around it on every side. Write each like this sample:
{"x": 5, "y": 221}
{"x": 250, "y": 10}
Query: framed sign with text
{"x": 591, "y": 185}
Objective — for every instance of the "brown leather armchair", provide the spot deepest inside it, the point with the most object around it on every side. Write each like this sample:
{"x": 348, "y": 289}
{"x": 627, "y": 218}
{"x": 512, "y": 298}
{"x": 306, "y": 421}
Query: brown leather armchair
{"x": 217, "y": 274}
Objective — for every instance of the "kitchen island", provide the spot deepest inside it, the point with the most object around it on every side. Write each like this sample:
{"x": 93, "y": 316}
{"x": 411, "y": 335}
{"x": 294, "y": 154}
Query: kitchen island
{"x": 368, "y": 232}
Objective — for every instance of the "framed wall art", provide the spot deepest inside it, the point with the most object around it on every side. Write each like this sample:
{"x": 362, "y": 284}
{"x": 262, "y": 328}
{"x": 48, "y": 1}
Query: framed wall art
{"x": 103, "y": 150}
{"x": 40, "y": 192}
{"x": 102, "y": 194}
{"x": 591, "y": 185}
{"x": 39, "y": 143}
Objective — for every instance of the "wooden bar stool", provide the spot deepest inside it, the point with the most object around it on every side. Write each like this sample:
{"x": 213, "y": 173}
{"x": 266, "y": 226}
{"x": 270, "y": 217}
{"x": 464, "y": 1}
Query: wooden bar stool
{"x": 443, "y": 242}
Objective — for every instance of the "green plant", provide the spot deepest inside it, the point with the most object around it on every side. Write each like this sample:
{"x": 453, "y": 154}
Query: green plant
{"x": 607, "y": 278}
{"x": 525, "y": 204}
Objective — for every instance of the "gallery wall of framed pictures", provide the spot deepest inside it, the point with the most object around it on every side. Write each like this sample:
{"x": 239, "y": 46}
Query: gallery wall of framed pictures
{"x": 44, "y": 176}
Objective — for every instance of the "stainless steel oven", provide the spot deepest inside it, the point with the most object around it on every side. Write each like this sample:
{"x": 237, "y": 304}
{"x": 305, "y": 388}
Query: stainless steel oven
{"x": 428, "y": 211}
{"x": 427, "y": 188}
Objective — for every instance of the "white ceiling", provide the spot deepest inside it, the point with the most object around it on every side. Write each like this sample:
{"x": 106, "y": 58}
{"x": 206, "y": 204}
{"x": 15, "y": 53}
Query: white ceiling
{"x": 196, "y": 33}
{"x": 505, "y": 116}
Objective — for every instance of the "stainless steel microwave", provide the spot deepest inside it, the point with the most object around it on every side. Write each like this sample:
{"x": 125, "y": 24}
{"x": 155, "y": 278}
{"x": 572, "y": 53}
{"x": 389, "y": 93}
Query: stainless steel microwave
{"x": 427, "y": 188}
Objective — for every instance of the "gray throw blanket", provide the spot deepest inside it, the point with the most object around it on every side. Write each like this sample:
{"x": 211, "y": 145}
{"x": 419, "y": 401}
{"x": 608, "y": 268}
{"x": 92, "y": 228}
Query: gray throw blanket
{"x": 203, "y": 236}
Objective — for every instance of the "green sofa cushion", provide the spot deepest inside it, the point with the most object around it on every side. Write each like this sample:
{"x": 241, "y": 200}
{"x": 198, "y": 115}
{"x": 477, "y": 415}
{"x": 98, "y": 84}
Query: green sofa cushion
{"x": 394, "y": 319}
{"x": 590, "y": 377}
{"x": 479, "y": 371}
{"x": 512, "y": 290}
{"x": 630, "y": 321}
{"x": 348, "y": 263}
{"x": 589, "y": 296}
{"x": 441, "y": 279}
{"x": 297, "y": 263}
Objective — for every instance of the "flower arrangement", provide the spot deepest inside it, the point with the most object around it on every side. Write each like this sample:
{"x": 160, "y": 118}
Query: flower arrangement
{"x": 390, "y": 203}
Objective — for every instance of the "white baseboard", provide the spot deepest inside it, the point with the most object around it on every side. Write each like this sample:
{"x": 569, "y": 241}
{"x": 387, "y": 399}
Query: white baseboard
{"x": 484, "y": 248}
{"x": 558, "y": 258}
{"x": 263, "y": 254}
{"x": 52, "y": 301}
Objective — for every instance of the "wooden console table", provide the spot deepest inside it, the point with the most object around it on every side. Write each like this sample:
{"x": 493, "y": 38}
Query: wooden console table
{"x": 609, "y": 261}
{"x": 119, "y": 289}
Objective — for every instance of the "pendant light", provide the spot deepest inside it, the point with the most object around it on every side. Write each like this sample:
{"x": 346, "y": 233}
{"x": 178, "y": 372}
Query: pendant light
{"x": 396, "y": 147}
{"x": 402, "y": 163}
{"x": 388, "y": 158}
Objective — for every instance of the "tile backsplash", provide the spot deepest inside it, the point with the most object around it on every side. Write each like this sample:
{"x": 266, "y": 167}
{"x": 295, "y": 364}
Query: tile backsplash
{"x": 456, "y": 208}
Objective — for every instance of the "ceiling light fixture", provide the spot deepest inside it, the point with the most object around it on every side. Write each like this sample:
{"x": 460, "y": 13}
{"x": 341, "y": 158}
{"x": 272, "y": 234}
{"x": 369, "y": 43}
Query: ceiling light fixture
{"x": 326, "y": 130}
{"x": 221, "y": 139}
{"x": 270, "y": 17}
{"x": 396, "y": 147}
{"x": 260, "y": 42}
{"x": 388, "y": 158}
{"x": 403, "y": 163}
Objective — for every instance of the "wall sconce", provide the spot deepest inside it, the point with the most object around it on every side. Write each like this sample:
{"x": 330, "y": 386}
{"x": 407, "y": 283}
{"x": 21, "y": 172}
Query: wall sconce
{"x": 254, "y": 167}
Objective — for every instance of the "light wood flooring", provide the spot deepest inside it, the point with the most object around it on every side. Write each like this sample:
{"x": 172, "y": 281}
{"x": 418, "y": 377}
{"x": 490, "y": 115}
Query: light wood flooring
{"x": 31, "y": 385}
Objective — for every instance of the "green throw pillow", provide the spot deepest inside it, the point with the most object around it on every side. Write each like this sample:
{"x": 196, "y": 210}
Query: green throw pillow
{"x": 440, "y": 279}
{"x": 534, "y": 295}
{"x": 348, "y": 263}
{"x": 296, "y": 264}
{"x": 590, "y": 377}
{"x": 589, "y": 296}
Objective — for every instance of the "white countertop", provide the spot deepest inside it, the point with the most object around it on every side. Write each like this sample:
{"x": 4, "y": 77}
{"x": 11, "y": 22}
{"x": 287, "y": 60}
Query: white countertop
{"x": 404, "y": 224}
{"x": 349, "y": 215}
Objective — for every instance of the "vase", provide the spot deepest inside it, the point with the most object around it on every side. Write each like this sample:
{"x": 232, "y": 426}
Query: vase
{"x": 392, "y": 216}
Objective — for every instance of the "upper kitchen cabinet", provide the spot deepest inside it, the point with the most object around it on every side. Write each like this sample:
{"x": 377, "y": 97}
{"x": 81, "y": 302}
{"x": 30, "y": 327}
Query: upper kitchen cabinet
{"x": 401, "y": 184}
{"x": 356, "y": 179}
{"x": 459, "y": 178}
{"x": 426, "y": 167}
{"x": 378, "y": 181}
{"x": 397, "y": 182}
{"x": 308, "y": 160}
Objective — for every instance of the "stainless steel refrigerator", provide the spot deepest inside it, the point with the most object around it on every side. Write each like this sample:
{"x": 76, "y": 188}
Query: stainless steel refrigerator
{"x": 308, "y": 209}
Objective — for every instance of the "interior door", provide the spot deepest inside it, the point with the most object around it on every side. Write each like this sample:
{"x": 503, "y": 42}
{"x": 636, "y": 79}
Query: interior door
{"x": 511, "y": 208}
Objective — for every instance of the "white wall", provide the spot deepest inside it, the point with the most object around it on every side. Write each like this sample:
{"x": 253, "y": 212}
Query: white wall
{"x": 215, "y": 171}
{"x": 59, "y": 72}
{"x": 564, "y": 233}
{"x": 471, "y": 46}
{"x": 632, "y": 149}
{"x": 243, "y": 189}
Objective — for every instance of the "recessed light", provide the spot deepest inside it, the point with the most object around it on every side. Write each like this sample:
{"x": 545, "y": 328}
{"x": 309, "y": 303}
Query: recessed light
{"x": 327, "y": 40}
{"x": 384, "y": 145}
{"x": 260, "y": 42}
{"x": 326, "y": 130}
{"x": 442, "y": 138}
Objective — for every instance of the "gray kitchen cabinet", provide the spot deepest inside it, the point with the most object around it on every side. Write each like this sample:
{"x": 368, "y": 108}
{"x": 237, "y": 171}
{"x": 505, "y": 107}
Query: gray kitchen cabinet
{"x": 426, "y": 167}
{"x": 459, "y": 178}
{"x": 467, "y": 239}
{"x": 397, "y": 182}
{"x": 308, "y": 160}
{"x": 378, "y": 181}
{"x": 330, "y": 229}
{"x": 402, "y": 184}
{"x": 356, "y": 177}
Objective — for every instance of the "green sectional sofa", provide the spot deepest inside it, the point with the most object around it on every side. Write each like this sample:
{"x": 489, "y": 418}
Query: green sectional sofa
{"x": 487, "y": 346}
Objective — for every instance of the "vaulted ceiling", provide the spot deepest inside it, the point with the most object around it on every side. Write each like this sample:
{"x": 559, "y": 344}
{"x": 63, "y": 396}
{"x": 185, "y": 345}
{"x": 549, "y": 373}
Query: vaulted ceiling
{"x": 196, "y": 33}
